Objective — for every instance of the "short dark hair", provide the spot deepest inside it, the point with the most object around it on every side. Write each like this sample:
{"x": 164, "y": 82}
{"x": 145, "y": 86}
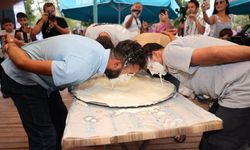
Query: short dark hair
{"x": 21, "y": 15}
{"x": 195, "y": 2}
{"x": 150, "y": 47}
{"x": 226, "y": 31}
{"x": 6, "y": 20}
{"x": 105, "y": 41}
{"x": 132, "y": 53}
{"x": 163, "y": 11}
{"x": 48, "y": 5}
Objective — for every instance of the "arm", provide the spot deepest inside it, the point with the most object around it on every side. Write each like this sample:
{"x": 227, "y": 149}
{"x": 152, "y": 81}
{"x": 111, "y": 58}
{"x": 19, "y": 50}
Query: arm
{"x": 169, "y": 24}
{"x": 210, "y": 20}
{"x": 200, "y": 27}
{"x": 216, "y": 55}
{"x": 170, "y": 35}
{"x": 24, "y": 62}
{"x": 129, "y": 22}
{"x": 38, "y": 27}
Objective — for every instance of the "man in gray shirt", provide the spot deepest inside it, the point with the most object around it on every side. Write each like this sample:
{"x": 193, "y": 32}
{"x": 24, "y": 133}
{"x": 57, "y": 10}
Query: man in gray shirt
{"x": 217, "y": 68}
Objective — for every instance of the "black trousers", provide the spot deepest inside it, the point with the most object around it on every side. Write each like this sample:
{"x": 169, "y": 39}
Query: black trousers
{"x": 235, "y": 134}
{"x": 43, "y": 117}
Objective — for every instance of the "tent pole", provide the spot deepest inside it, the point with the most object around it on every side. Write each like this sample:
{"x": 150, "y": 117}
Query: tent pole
{"x": 95, "y": 11}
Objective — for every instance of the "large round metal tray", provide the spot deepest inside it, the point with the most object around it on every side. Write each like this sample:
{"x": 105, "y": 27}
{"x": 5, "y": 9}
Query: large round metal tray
{"x": 124, "y": 92}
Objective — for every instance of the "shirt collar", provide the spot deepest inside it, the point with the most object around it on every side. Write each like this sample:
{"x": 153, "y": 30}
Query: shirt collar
{"x": 104, "y": 61}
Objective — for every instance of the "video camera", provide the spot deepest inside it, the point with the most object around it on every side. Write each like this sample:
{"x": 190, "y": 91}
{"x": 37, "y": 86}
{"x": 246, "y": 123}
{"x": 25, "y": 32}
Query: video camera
{"x": 182, "y": 11}
{"x": 52, "y": 17}
{"x": 242, "y": 38}
{"x": 136, "y": 11}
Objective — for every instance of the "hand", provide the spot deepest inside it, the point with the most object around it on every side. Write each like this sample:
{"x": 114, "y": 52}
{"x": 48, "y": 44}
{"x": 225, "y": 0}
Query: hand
{"x": 45, "y": 17}
{"x": 26, "y": 29}
{"x": 204, "y": 7}
{"x": 192, "y": 17}
{"x": 134, "y": 14}
{"x": 172, "y": 31}
{"x": 53, "y": 24}
{"x": 181, "y": 25}
{"x": 8, "y": 41}
{"x": 144, "y": 24}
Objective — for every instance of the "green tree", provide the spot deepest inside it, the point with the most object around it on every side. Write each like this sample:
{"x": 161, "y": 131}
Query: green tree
{"x": 29, "y": 11}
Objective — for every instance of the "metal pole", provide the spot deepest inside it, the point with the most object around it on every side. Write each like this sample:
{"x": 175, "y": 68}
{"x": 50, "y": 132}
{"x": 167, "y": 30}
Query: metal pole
{"x": 95, "y": 11}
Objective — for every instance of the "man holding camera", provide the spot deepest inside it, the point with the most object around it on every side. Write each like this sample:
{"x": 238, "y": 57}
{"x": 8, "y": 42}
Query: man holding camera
{"x": 132, "y": 22}
{"x": 50, "y": 24}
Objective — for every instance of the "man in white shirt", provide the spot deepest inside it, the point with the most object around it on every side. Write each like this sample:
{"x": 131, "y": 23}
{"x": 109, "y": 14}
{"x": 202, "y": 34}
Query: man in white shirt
{"x": 132, "y": 22}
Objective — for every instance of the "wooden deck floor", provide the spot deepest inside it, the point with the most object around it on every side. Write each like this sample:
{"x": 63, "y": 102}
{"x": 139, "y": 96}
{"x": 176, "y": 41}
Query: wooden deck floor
{"x": 13, "y": 137}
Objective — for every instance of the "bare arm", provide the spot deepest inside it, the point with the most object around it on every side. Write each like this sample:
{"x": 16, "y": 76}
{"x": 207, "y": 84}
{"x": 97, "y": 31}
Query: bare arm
{"x": 24, "y": 62}
{"x": 210, "y": 20}
{"x": 129, "y": 22}
{"x": 38, "y": 27}
{"x": 200, "y": 27}
{"x": 170, "y": 35}
{"x": 216, "y": 55}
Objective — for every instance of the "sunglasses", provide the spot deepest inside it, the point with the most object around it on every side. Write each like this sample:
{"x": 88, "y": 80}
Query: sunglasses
{"x": 219, "y": 2}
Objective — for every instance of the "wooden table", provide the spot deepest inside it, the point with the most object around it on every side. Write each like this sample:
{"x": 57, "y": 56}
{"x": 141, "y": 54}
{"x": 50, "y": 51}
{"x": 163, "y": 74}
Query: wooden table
{"x": 89, "y": 125}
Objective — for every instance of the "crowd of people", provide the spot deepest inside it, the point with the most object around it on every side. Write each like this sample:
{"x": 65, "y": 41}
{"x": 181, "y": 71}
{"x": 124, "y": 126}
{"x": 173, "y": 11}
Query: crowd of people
{"x": 33, "y": 74}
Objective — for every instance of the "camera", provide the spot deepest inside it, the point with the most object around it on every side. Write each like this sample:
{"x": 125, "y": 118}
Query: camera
{"x": 243, "y": 37}
{"x": 136, "y": 11}
{"x": 182, "y": 11}
{"x": 52, "y": 17}
{"x": 2, "y": 38}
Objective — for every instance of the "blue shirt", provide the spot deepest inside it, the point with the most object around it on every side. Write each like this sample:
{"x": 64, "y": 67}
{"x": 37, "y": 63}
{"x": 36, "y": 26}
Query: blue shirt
{"x": 74, "y": 59}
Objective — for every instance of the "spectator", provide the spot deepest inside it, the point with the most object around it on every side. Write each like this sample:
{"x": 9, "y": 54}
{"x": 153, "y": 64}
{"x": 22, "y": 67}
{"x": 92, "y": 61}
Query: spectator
{"x": 8, "y": 26}
{"x": 164, "y": 25}
{"x": 50, "y": 24}
{"x": 226, "y": 34}
{"x": 24, "y": 32}
{"x": 132, "y": 22}
{"x": 220, "y": 18}
{"x": 194, "y": 24}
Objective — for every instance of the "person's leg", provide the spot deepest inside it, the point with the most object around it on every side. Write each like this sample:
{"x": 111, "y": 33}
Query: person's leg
{"x": 32, "y": 105}
{"x": 235, "y": 133}
{"x": 58, "y": 112}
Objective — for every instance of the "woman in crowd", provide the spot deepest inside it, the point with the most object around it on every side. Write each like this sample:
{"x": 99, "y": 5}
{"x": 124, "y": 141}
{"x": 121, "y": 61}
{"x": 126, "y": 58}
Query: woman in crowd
{"x": 164, "y": 24}
{"x": 220, "y": 18}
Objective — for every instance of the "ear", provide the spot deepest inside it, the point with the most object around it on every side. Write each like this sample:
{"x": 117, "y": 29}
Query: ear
{"x": 157, "y": 56}
{"x": 114, "y": 63}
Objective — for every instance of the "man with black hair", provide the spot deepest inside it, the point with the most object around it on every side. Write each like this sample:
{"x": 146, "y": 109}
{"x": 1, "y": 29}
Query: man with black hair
{"x": 34, "y": 73}
{"x": 219, "y": 69}
{"x": 105, "y": 41}
{"x": 50, "y": 24}
{"x": 132, "y": 22}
